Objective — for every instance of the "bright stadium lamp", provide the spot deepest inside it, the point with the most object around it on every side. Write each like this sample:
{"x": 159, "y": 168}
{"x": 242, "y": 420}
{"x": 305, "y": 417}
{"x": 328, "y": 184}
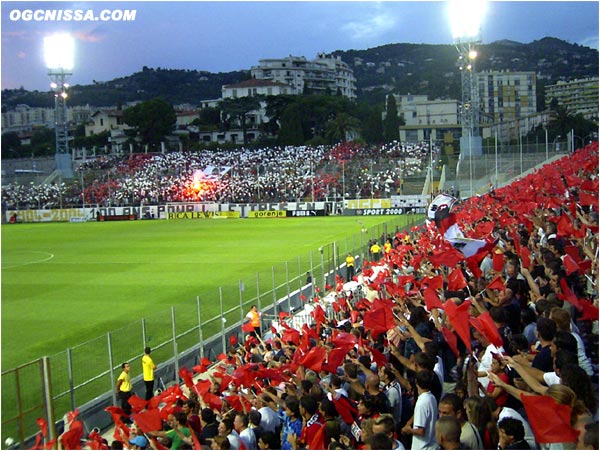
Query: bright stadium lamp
{"x": 465, "y": 18}
{"x": 59, "y": 54}
{"x": 465, "y": 22}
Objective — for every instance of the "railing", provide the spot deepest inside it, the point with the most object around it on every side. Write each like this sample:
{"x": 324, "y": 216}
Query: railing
{"x": 84, "y": 376}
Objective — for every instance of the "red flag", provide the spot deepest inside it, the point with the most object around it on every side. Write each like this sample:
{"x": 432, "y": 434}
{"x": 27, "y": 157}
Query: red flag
{"x": 335, "y": 357}
{"x": 233, "y": 341}
{"x": 588, "y": 199}
{"x": 291, "y": 335}
{"x": 474, "y": 267}
{"x": 498, "y": 261}
{"x": 573, "y": 251}
{"x": 497, "y": 284}
{"x": 459, "y": 318}
{"x": 222, "y": 357}
{"x": 244, "y": 375}
{"x": 568, "y": 295}
{"x": 149, "y": 420}
{"x": 456, "y": 280}
{"x": 354, "y": 316}
{"x": 186, "y": 375}
{"x": 378, "y": 357}
{"x": 248, "y": 328}
{"x": 570, "y": 265}
{"x": 72, "y": 438}
{"x": 432, "y": 300}
{"x": 486, "y": 327}
{"x": 525, "y": 257}
{"x": 435, "y": 283}
{"x": 590, "y": 313}
{"x": 283, "y": 315}
{"x": 318, "y": 440}
{"x": 137, "y": 404}
{"x": 94, "y": 441}
{"x": 303, "y": 298}
{"x": 314, "y": 358}
{"x": 449, "y": 258}
{"x": 451, "y": 340}
{"x": 204, "y": 364}
{"x": 43, "y": 425}
{"x": 318, "y": 314}
{"x": 379, "y": 320}
{"x": 235, "y": 403}
{"x": 213, "y": 401}
{"x": 550, "y": 421}
{"x": 344, "y": 339}
{"x": 345, "y": 409}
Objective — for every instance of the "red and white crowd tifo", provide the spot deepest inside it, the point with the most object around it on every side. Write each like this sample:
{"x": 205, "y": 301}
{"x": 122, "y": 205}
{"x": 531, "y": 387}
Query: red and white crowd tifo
{"x": 476, "y": 330}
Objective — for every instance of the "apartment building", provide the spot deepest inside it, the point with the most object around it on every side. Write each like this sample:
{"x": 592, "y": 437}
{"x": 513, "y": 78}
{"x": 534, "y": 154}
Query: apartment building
{"x": 425, "y": 119}
{"x": 505, "y": 96}
{"x": 24, "y": 117}
{"x": 326, "y": 74}
{"x": 578, "y": 96}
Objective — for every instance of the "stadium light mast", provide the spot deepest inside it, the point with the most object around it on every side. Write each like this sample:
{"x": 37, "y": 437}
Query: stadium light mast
{"x": 59, "y": 51}
{"x": 465, "y": 21}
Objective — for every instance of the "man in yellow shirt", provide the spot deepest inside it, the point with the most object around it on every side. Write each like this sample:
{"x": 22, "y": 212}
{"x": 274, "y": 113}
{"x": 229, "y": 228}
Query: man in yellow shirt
{"x": 349, "y": 267}
{"x": 376, "y": 251}
{"x": 124, "y": 388}
{"x": 148, "y": 368}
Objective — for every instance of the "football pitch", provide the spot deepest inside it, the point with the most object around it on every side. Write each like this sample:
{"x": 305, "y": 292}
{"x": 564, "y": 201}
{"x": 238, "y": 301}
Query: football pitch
{"x": 64, "y": 284}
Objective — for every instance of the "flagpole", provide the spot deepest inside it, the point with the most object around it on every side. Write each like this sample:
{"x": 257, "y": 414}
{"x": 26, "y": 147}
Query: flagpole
{"x": 546, "y": 133}
{"x": 431, "y": 163}
{"x": 496, "y": 153}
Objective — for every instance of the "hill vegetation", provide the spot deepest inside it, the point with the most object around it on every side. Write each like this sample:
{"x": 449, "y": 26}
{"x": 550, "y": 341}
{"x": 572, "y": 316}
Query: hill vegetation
{"x": 401, "y": 68}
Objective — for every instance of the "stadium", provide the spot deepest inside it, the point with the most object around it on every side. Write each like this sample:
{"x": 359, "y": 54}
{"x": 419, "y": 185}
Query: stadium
{"x": 161, "y": 276}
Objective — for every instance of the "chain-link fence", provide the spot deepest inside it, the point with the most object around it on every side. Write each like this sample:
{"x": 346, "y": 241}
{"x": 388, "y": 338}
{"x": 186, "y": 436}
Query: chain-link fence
{"x": 473, "y": 175}
{"x": 84, "y": 376}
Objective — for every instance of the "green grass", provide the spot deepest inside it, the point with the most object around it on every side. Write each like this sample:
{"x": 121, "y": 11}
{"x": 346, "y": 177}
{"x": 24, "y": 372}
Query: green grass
{"x": 64, "y": 284}
{"x": 68, "y": 285}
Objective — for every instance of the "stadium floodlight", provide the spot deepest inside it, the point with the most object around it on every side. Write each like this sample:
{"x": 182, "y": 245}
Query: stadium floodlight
{"x": 465, "y": 22}
{"x": 465, "y": 18}
{"x": 59, "y": 54}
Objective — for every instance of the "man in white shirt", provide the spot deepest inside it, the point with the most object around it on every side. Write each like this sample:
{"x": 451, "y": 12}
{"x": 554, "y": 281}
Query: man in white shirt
{"x": 425, "y": 414}
{"x": 507, "y": 412}
{"x": 247, "y": 436}
{"x": 269, "y": 421}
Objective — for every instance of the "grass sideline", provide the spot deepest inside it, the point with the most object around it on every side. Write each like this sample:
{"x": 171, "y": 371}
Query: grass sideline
{"x": 63, "y": 284}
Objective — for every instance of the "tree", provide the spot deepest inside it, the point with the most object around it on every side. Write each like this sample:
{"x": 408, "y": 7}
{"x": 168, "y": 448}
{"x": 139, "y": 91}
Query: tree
{"x": 372, "y": 125}
{"x": 153, "y": 120}
{"x": 391, "y": 123}
{"x": 238, "y": 109}
{"x": 11, "y": 145}
{"x": 337, "y": 129}
{"x": 291, "y": 132}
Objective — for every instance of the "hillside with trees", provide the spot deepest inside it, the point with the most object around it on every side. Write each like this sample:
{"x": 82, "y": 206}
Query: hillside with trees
{"x": 400, "y": 68}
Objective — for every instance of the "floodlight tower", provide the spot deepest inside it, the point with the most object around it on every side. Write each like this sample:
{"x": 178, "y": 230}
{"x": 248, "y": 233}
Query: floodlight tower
{"x": 465, "y": 20}
{"x": 59, "y": 55}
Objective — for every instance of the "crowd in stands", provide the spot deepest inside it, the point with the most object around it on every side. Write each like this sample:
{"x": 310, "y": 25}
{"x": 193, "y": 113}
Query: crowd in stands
{"x": 494, "y": 348}
{"x": 280, "y": 174}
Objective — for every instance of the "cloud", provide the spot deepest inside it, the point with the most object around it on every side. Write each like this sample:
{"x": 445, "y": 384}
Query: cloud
{"x": 370, "y": 27}
{"x": 87, "y": 37}
{"x": 591, "y": 42}
{"x": 21, "y": 55}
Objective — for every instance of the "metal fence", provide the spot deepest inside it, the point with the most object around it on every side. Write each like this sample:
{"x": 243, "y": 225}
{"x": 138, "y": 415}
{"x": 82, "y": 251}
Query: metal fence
{"x": 84, "y": 376}
{"x": 472, "y": 175}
